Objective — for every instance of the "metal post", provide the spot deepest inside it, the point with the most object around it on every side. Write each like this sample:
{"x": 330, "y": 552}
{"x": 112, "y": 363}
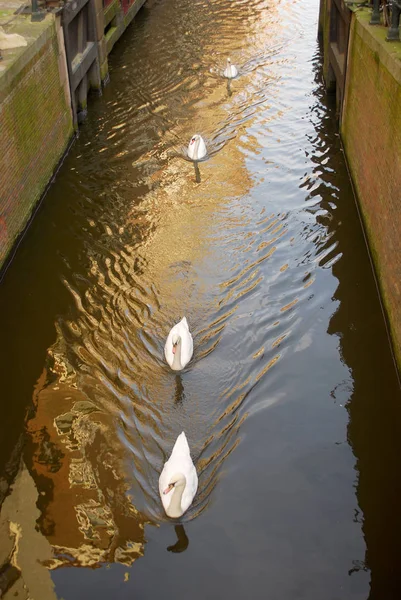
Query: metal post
{"x": 37, "y": 15}
{"x": 394, "y": 31}
{"x": 375, "y": 18}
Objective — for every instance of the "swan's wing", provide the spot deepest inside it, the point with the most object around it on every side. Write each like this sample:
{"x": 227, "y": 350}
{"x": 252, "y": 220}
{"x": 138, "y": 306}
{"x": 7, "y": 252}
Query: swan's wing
{"x": 184, "y": 322}
{"x": 180, "y": 457}
{"x": 190, "y": 488}
{"x": 187, "y": 344}
{"x": 168, "y": 347}
{"x": 182, "y": 462}
{"x": 202, "y": 148}
{"x": 180, "y": 449}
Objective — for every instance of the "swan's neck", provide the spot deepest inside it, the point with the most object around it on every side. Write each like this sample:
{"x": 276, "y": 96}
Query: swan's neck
{"x": 175, "y": 510}
{"x": 177, "y": 358}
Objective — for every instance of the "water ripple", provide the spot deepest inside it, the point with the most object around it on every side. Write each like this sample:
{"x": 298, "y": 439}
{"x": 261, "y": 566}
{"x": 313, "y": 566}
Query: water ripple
{"x": 239, "y": 252}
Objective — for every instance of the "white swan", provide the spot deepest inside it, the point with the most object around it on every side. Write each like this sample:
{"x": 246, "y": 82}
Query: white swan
{"x": 197, "y": 147}
{"x": 178, "y": 481}
{"x": 231, "y": 70}
{"x": 179, "y": 346}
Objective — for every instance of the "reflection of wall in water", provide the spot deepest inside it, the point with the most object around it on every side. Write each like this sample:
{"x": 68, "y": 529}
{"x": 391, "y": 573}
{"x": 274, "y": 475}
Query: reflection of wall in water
{"x": 371, "y": 392}
{"x": 77, "y": 466}
{"x": 23, "y": 549}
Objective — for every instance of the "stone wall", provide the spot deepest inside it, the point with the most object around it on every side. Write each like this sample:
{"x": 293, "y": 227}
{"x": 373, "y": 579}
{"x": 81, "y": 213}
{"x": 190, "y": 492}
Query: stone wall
{"x": 35, "y": 129}
{"x": 371, "y": 134}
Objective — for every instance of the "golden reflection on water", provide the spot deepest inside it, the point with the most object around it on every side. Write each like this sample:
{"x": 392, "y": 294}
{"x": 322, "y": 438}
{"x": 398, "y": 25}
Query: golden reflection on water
{"x": 86, "y": 513}
{"x": 78, "y": 461}
{"x": 185, "y": 212}
{"x": 105, "y": 406}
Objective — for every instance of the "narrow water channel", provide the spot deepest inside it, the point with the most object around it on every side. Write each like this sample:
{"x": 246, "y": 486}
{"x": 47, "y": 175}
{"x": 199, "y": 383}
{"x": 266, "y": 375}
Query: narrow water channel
{"x": 291, "y": 404}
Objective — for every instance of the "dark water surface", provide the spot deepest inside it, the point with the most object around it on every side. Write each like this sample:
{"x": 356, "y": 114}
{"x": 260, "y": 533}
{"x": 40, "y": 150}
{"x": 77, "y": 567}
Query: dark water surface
{"x": 291, "y": 404}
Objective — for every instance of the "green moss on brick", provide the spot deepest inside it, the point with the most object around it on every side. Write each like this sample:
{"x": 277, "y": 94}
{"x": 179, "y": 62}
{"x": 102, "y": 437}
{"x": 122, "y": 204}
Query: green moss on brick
{"x": 371, "y": 133}
{"x": 104, "y": 69}
{"x": 35, "y": 127}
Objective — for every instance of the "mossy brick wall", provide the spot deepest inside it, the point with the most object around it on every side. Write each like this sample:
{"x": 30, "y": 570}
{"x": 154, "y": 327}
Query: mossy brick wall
{"x": 371, "y": 133}
{"x": 35, "y": 127}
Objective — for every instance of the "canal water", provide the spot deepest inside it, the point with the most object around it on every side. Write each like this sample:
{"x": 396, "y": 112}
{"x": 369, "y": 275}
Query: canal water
{"x": 291, "y": 403}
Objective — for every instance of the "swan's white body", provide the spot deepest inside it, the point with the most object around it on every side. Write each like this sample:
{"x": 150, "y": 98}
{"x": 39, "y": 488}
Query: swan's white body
{"x": 179, "y": 346}
{"x": 197, "y": 147}
{"x": 230, "y": 71}
{"x": 178, "y": 481}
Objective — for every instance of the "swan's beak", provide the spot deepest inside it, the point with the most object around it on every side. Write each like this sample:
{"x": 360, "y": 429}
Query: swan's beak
{"x": 174, "y": 348}
{"x": 192, "y": 141}
{"x": 169, "y": 488}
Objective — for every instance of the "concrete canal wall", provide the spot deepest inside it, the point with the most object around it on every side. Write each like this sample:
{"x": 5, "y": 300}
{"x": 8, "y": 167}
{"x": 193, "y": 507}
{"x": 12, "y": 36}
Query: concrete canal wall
{"x": 369, "y": 105}
{"x": 44, "y": 84}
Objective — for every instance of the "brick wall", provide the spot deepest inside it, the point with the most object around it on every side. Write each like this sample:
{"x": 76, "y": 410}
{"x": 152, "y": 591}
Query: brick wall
{"x": 35, "y": 127}
{"x": 371, "y": 133}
